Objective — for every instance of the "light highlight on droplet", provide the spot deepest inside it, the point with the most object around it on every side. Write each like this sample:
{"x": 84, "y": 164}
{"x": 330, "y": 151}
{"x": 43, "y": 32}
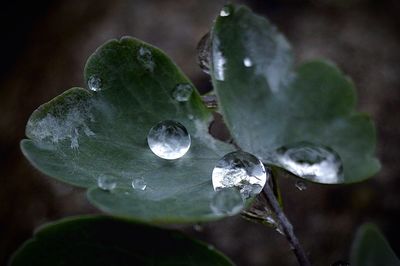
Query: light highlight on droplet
{"x": 225, "y": 11}
{"x": 247, "y": 62}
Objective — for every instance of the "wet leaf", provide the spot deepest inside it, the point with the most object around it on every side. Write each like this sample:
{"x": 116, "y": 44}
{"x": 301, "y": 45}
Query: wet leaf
{"x": 84, "y": 134}
{"x": 268, "y": 105}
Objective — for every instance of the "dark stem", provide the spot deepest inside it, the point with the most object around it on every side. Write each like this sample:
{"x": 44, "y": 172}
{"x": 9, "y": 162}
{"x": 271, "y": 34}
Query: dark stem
{"x": 286, "y": 226}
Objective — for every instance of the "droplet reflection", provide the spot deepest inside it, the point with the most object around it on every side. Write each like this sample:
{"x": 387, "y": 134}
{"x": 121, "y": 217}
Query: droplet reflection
{"x": 241, "y": 170}
{"x": 313, "y": 162}
{"x": 169, "y": 140}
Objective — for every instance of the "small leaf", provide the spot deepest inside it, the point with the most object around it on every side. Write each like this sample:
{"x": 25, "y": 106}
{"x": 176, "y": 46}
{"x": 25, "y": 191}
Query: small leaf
{"x": 370, "y": 248}
{"x": 100, "y": 240}
{"x": 82, "y": 135}
{"x": 267, "y": 105}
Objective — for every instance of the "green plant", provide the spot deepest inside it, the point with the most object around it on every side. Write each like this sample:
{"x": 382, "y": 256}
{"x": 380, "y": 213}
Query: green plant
{"x": 96, "y": 138}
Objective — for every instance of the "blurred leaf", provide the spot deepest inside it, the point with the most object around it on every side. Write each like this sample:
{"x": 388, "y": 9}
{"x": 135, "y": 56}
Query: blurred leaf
{"x": 81, "y": 135}
{"x": 370, "y": 248}
{"x": 100, "y": 240}
{"x": 266, "y": 105}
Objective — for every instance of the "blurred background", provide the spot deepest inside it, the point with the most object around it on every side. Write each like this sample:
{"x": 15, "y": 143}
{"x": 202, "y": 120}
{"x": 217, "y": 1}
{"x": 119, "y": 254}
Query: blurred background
{"x": 44, "y": 46}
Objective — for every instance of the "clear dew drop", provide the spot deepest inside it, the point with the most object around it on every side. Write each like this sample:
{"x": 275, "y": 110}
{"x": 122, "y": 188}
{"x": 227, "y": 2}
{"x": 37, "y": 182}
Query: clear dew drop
{"x": 182, "y": 92}
{"x": 106, "y": 182}
{"x": 225, "y": 11}
{"x": 227, "y": 201}
{"x": 94, "y": 83}
{"x": 242, "y": 171}
{"x": 145, "y": 57}
{"x": 313, "y": 162}
{"x": 301, "y": 185}
{"x": 247, "y": 62}
{"x": 139, "y": 184}
{"x": 169, "y": 140}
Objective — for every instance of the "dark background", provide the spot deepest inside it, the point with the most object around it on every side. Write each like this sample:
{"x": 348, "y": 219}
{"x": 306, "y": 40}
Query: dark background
{"x": 44, "y": 45}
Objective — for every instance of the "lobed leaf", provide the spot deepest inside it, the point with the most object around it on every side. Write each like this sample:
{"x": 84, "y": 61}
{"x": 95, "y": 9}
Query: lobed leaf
{"x": 82, "y": 134}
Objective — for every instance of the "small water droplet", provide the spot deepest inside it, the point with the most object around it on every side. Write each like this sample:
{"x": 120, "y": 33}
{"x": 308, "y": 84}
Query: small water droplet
{"x": 340, "y": 263}
{"x": 191, "y": 117}
{"x": 106, "y": 182}
{"x": 301, "y": 185}
{"x": 198, "y": 227}
{"x": 94, "y": 83}
{"x": 247, "y": 62}
{"x": 139, "y": 183}
{"x": 225, "y": 11}
{"x": 227, "y": 201}
{"x": 203, "y": 53}
{"x": 182, "y": 92}
{"x": 313, "y": 162}
{"x": 169, "y": 140}
{"x": 146, "y": 58}
{"x": 241, "y": 170}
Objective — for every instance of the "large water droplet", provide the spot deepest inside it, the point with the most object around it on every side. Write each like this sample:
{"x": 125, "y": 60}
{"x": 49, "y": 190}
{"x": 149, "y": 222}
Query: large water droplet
{"x": 240, "y": 170}
{"x": 225, "y": 11}
{"x": 182, "y": 92}
{"x": 203, "y": 53}
{"x": 227, "y": 201}
{"x": 169, "y": 140}
{"x": 247, "y": 62}
{"x": 301, "y": 185}
{"x": 146, "y": 58}
{"x": 106, "y": 182}
{"x": 313, "y": 162}
{"x": 139, "y": 183}
{"x": 94, "y": 83}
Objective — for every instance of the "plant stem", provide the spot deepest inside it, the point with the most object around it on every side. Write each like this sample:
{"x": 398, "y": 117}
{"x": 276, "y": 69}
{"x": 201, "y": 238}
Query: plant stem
{"x": 287, "y": 227}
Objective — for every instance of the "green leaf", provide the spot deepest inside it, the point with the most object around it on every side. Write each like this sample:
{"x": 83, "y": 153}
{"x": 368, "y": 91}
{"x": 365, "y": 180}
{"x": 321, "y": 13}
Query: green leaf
{"x": 82, "y": 134}
{"x": 100, "y": 240}
{"x": 267, "y": 105}
{"x": 370, "y": 248}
